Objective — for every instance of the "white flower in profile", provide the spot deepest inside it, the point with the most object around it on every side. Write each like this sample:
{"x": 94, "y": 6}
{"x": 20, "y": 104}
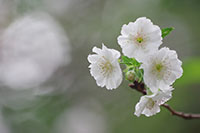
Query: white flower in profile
{"x": 150, "y": 104}
{"x": 161, "y": 69}
{"x": 105, "y": 68}
{"x": 139, "y": 38}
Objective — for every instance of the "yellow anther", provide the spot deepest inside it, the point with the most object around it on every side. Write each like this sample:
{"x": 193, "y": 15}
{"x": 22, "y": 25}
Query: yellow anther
{"x": 140, "y": 40}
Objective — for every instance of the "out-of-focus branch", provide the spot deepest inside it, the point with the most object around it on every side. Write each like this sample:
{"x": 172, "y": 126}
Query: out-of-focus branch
{"x": 140, "y": 87}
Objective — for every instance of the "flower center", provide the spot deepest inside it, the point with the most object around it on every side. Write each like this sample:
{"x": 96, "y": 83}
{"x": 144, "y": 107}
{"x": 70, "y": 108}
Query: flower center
{"x": 150, "y": 104}
{"x": 140, "y": 39}
{"x": 159, "y": 70}
{"x": 106, "y": 67}
{"x": 159, "y": 67}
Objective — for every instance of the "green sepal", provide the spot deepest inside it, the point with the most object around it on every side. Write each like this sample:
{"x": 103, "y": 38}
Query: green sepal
{"x": 129, "y": 61}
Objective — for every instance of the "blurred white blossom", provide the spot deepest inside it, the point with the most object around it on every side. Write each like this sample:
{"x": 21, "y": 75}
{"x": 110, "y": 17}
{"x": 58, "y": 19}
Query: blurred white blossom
{"x": 150, "y": 104}
{"x": 139, "y": 38}
{"x": 161, "y": 69}
{"x": 32, "y": 48}
{"x": 105, "y": 68}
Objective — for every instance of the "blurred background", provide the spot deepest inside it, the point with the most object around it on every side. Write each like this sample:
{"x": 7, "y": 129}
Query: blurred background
{"x": 62, "y": 97}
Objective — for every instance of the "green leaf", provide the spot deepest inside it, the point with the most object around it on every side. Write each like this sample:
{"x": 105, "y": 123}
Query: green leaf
{"x": 129, "y": 61}
{"x": 166, "y": 31}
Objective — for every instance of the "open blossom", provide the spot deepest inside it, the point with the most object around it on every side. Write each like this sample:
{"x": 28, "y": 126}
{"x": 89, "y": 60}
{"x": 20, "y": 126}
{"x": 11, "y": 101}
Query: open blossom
{"x": 139, "y": 38}
{"x": 161, "y": 69}
{"x": 105, "y": 68}
{"x": 150, "y": 104}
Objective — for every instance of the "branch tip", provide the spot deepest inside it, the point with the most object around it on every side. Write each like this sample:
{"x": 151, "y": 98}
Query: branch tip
{"x": 141, "y": 88}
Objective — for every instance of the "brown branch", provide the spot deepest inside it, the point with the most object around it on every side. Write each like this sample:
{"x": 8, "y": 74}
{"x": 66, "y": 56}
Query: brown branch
{"x": 181, "y": 114}
{"x": 140, "y": 87}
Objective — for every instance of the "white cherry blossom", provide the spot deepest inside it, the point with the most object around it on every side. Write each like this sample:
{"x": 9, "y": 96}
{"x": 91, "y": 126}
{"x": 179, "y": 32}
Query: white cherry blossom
{"x": 105, "y": 68}
{"x": 150, "y": 104}
{"x": 161, "y": 69}
{"x": 139, "y": 38}
{"x": 33, "y": 47}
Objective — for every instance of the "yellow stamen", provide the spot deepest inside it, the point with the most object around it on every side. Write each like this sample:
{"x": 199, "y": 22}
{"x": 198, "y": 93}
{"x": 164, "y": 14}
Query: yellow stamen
{"x": 150, "y": 104}
{"x": 106, "y": 66}
{"x": 159, "y": 67}
{"x": 139, "y": 39}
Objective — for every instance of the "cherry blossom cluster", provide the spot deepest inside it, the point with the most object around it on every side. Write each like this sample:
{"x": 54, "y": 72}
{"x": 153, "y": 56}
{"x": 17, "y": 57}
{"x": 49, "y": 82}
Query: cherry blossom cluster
{"x": 145, "y": 63}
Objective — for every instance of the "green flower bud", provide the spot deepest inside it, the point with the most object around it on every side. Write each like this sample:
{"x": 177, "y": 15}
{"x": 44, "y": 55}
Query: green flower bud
{"x": 130, "y": 76}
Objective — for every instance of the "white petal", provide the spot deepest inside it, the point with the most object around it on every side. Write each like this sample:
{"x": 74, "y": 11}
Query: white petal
{"x": 93, "y": 58}
{"x": 147, "y": 112}
{"x": 96, "y": 50}
{"x": 127, "y": 29}
{"x": 129, "y": 50}
{"x": 123, "y": 41}
{"x": 101, "y": 81}
{"x": 116, "y": 54}
{"x": 110, "y": 84}
{"x": 163, "y": 96}
{"x": 140, "y": 106}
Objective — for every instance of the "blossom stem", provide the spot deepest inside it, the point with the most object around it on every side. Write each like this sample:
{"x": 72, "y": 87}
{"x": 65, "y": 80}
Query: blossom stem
{"x": 140, "y": 87}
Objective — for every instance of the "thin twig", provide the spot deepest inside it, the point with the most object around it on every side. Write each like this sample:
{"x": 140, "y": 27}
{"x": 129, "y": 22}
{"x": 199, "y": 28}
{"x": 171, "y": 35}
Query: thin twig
{"x": 181, "y": 114}
{"x": 140, "y": 87}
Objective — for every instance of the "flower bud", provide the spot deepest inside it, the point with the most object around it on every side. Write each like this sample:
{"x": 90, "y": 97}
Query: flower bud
{"x": 130, "y": 76}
